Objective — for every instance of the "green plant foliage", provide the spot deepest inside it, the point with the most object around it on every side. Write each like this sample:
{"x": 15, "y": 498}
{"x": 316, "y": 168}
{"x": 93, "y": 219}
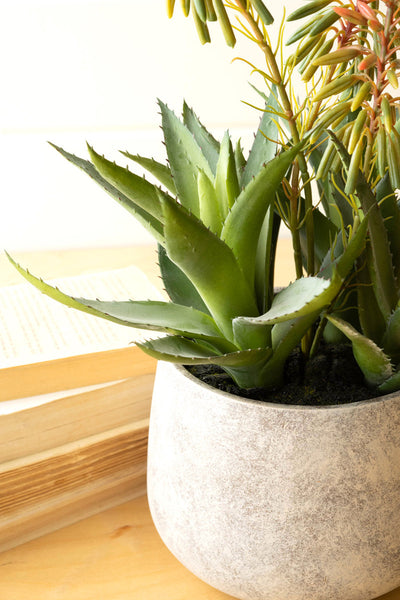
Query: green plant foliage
{"x": 216, "y": 213}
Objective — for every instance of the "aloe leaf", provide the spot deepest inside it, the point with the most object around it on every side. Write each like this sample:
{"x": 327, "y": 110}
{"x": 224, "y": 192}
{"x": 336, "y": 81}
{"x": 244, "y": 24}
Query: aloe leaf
{"x": 285, "y": 336}
{"x": 159, "y": 170}
{"x": 240, "y": 161}
{"x": 138, "y": 189}
{"x": 324, "y": 235}
{"x": 177, "y": 285}
{"x": 265, "y": 260}
{"x": 243, "y": 225}
{"x": 300, "y": 298}
{"x": 386, "y": 290}
{"x": 298, "y": 306}
{"x": 149, "y": 221}
{"x": 243, "y": 366}
{"x": 331, "y": 190}
{"x": 185, "y": 158}
{"x": 343, "y": 255}
{"x": 390, "y": 385}
{"x": 179, "y": 349}
{"x": 209, "y": 206}
{"x": 207, "y": 143}
{"x": 185, "y": 351}
{"x": 263, "y": 149}
{"x": 226, "y": 182}
{"x": 155, "y": 315}
{"x": 210, "y": 265}
{"x": 371, "y": 359}
{"x": 391, "y": 213}
{"x": 311, "y": 294}
{"x": 152, "y": 315}
{"x": 367, "y": 303}
{"x": 391, "y": 339}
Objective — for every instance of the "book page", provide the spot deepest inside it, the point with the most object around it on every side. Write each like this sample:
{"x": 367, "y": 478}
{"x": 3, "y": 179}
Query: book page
{"x": 35, "y": 328}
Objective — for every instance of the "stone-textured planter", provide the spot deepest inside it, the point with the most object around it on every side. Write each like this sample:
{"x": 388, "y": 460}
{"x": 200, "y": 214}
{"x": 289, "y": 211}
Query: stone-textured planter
{"x": 267, "y": 502}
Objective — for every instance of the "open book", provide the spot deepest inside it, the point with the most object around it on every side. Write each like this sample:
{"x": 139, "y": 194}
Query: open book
{"x": 46, "y": 347}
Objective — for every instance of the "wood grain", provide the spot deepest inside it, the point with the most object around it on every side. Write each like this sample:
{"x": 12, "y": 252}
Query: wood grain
{"x": 115, "y": 555}
{"x": 73, "y": 372}
{"x": 76, "y": 417}
{"x": 65, "y": 484}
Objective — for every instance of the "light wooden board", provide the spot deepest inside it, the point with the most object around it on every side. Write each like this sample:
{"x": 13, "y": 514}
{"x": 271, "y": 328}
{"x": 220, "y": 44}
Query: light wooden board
{"x": 62, "y": 485}
{"x": 115, "y": 555}
{"x": 73, "y": 372}
{"x": 74, "y": 417}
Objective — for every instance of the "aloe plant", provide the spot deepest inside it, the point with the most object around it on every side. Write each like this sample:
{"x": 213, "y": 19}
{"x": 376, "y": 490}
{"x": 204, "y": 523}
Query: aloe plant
{"x": 216, "y": 215}
{"x": 216, "y": 226}
{"x": 347, "y": 56}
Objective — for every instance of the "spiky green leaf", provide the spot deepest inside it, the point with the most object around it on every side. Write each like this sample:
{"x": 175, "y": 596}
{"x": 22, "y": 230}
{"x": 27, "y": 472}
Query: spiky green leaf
{"x": 371, "y": 359}
{"x": 242, "y": 227}
{"x": 138, "y": 189}
{"x": 207, "y": 143}
{"x": 149, "y": 314}
{"x": 159, "y": 170}
{"x": 391, "y": 214}
{"x": 210, "y": 213}
{"x": 185, "y": 158}
{"x": 185, "y": 351}
{"x": 210, "y": 265}
{"x": 390, "y": 385}
{"x": 264, "y": 146}
{"x": 300, "y": 298}
{"x": 385, "y": 285}
{"x": 244, "y": 366}
{"x": 391, "y": 339}
{"x": 226, "y": 182}
{"x": 177, "y": 285}
{"x": 145, "y": 218}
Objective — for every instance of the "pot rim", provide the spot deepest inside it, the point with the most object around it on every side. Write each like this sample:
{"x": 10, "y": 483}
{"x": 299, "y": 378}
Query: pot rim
{"x": 275, "y": 405}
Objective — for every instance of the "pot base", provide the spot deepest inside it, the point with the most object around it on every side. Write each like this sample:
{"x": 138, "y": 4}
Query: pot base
{"x": 268, "y": 502}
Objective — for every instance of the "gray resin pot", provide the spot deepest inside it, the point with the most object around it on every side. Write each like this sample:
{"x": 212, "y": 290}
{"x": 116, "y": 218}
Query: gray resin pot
{"x": 267, "y": 502}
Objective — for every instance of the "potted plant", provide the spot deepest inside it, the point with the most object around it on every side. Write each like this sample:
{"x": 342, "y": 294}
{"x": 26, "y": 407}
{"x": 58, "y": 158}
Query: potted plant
{"x": 262, "y": 492}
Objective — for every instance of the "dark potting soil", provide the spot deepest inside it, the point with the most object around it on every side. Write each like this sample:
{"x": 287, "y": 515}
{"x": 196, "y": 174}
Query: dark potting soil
{"x": 332, "y": 376}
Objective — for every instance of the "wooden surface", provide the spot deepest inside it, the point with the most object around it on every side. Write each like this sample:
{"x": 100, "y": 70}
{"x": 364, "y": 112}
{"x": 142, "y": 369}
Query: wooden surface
{"x": 116, "y": 554}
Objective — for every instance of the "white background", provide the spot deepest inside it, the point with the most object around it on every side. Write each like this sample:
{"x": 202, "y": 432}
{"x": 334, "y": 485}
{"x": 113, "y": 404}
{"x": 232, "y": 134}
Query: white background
{"x": 77, "y": 70}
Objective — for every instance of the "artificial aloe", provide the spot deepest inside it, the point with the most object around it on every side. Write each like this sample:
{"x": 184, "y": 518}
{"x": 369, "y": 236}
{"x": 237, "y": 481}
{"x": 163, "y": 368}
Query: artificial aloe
{"x": 216, "y": 216}
{"x": 217, "y": 240}
{"x": 346, "y": 54}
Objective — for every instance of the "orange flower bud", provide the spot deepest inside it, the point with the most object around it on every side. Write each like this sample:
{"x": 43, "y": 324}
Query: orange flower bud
{"x": 375, "y": 25}
{"x": 367, "y": 62}
{"x": 366, "y": 10}
{"x": 351, "y": 16}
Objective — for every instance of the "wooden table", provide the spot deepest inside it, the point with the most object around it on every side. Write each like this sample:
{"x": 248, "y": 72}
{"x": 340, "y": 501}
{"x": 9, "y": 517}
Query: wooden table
{"x": 116, "y": 554}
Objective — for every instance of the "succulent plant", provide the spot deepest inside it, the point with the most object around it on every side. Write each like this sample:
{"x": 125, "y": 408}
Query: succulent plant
{"x": 217, "y": 242}
{"x": 217, "y": 214}
{"x": 347, "y": 56}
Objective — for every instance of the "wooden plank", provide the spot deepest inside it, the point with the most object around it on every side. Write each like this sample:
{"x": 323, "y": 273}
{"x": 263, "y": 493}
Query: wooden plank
{"x": 74, "y": 371}
{"x": 42, "y": 492}
{"x": 115, "y": 555}
{"x": 76, "y": 417}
